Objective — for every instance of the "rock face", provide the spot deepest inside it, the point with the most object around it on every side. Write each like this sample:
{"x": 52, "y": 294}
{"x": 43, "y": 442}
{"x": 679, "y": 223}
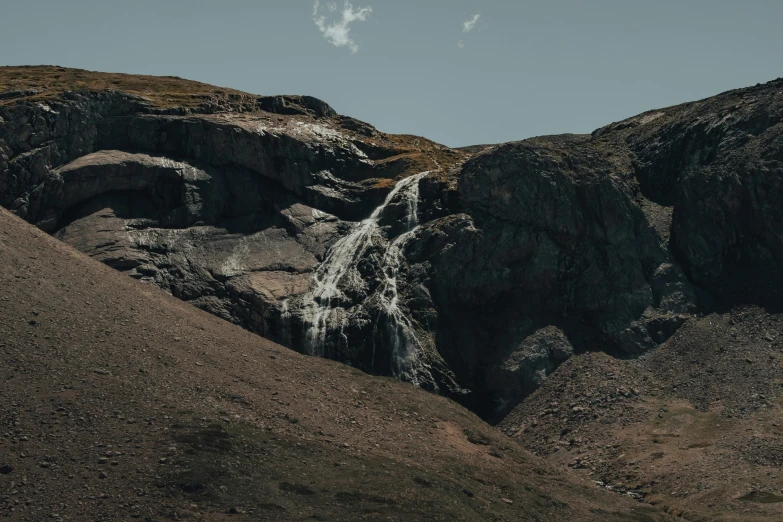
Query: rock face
{"x": 527, "y": 367}
{"x": 236, "y": 207}
{"x": 473, "y": 273}
{"x": 550, "y": 235}
{"x": 717, "y": 163}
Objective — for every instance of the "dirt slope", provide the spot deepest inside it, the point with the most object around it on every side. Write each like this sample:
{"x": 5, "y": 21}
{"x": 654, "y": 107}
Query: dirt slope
{"x": 694, "y": 427}
{"x": 119, "y": 401}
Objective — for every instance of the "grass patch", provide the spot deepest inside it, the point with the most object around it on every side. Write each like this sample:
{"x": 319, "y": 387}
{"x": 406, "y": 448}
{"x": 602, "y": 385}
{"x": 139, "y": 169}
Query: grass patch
{"x": 237, "y": 465}
{"x": 761, "y": 497}
{"x": 474, "y": 437}
{"x": 213, "y": 439}
{"x": 162, "y": 91}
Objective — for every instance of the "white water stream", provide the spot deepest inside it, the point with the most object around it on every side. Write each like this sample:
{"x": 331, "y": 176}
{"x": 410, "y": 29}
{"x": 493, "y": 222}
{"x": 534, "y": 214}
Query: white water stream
{"x": 324, "y": 306}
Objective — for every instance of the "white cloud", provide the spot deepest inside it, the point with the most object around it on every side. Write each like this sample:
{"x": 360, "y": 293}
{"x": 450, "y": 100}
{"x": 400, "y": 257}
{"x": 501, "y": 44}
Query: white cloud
{"x": 470, "y": 23}
{"x": 338, "y": 32}
{"x": 461, "y": 44}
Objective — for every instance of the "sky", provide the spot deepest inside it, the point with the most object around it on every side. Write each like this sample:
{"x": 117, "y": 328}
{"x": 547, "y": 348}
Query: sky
{"x": 460, "y": 72}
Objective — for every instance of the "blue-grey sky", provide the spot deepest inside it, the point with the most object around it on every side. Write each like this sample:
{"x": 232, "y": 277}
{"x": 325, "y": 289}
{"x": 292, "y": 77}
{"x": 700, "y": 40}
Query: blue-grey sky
{"x": 524, "y": 67}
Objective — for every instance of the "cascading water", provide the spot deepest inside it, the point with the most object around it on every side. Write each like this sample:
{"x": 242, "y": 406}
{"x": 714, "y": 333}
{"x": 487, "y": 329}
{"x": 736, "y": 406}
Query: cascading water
{"x": 403, "y": 343}
{"x": 325, "y": 306}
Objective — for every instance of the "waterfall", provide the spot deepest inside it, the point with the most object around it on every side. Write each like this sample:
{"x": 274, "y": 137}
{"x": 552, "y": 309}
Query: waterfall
{"x": 406, "y": 364}
{"x": 324, "y": 307}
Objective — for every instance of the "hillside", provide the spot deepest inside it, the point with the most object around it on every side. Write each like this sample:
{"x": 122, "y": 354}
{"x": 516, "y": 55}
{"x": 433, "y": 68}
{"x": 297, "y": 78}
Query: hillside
{"x": 694, "y": 428}
{"x": 611, "y": 301}
{"x": 121, "y": 402}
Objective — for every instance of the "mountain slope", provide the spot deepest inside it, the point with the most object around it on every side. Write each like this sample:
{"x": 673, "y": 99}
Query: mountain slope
{"x": 612, "y": 299}
{"x": 120, "y": 401}
{"x": 694, "y": 427}
{"x": 477, "y": 280}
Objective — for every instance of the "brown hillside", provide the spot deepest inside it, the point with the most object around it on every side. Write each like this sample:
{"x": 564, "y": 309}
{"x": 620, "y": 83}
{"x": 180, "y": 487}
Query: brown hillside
{"x": 120, "y": 402}
{"x": 695, "y": 427}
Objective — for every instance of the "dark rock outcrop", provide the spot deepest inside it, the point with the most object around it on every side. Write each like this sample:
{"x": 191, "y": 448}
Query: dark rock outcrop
{"x": 527, "y": 367}
{"x": 551, "y": 235}
{"x": 718, "y": 164}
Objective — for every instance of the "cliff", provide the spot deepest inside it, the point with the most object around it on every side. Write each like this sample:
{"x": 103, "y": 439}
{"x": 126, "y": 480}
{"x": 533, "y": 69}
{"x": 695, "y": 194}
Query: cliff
{"x": 476, "y": 279}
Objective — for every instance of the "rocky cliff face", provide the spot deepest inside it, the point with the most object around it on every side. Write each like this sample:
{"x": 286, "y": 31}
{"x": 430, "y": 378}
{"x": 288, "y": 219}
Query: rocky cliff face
{"x": 472, "y": 273}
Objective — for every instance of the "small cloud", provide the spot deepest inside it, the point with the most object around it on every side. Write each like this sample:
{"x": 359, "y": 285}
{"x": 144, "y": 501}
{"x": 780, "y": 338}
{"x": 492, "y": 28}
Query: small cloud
{"x": 338, "y": 32}
{"x": 470, "y": 23}
{"x": 461, "y": 44}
